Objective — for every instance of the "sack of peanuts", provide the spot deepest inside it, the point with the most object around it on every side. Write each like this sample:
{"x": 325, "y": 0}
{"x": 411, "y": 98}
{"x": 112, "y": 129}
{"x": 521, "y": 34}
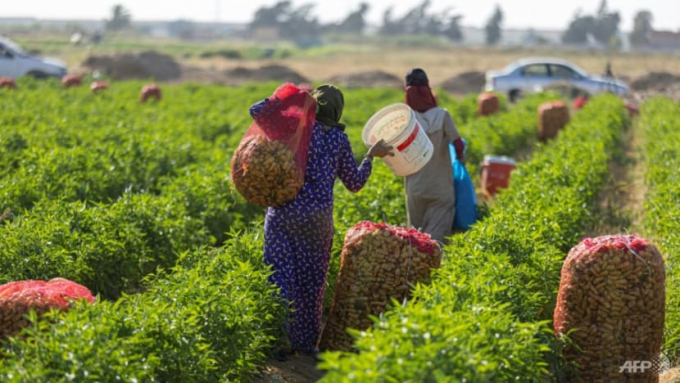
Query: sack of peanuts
{"x": 553, "y": 116}
{"x": 18, "y": 298}
{"x": 268, "y": 167}
{"x": 99, "y": 86}
{"x": 150, "y": 91}
{"x": 488, "y": 104}
{"x": 71, "y": 80}
{"x": 612, "y": 297}
{"x": 379, "y": 263}
{"x": 6, "y": 82}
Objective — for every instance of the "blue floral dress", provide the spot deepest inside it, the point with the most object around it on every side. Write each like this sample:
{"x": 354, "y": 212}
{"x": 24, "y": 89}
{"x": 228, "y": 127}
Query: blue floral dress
{"x": 298, "y": 235}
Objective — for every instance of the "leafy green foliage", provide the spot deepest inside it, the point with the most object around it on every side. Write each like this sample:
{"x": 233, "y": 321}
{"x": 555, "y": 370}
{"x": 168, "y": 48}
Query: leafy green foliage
{"x": 212, "y": 319}
{"x": 106, "y": 192}
{"x": 485, "y": 315}
{"x": 662, "y": 203}
{"x": 383, "y": 199}
{"x": 505, "y": 133}
{"x": 108, "y": 248}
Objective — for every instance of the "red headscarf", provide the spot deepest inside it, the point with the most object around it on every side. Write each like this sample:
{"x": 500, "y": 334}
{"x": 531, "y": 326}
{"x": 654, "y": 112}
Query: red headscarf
{"x": 420, "y": 98}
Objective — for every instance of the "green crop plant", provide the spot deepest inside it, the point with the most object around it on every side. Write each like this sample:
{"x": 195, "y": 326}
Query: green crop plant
{"x": 661, "y": 143}
{"x": 212, "y": 318}
{"x": 486, "y": 314}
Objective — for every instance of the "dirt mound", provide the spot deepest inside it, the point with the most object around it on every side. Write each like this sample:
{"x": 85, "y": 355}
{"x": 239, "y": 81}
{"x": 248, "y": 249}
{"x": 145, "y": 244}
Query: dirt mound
{"x": 467, "y": 82}
{"x": 655, "y": 81}
{"x": 366, "y": 79}
{"x": 671, "y": 91}
{"x": 145, "y": 65}
{"x": 266, "y": 73}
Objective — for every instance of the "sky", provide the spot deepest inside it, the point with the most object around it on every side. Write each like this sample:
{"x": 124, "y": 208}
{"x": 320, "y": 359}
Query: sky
{"x": 540, "y": 14}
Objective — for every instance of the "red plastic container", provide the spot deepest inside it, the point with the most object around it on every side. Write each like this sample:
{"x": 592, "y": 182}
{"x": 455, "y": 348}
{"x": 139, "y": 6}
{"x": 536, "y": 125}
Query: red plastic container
{"x": 496, "y": 173}
{"x": 580, "y": 102}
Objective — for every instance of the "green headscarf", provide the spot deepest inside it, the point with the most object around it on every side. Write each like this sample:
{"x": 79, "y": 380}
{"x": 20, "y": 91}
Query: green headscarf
{"x": 330, "y": 103}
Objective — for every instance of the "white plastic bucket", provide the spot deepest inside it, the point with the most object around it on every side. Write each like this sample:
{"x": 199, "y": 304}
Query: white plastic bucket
{"x": 397, "y": 125}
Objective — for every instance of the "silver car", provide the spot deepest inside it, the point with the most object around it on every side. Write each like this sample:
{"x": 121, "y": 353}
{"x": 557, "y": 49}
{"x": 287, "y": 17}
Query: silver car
{"x": 14, "y": 63}
{"x": 537, "y": 74}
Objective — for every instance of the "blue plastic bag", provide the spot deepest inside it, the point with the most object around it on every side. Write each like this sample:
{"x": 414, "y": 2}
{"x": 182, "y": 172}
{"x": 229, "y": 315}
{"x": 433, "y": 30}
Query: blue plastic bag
{"x": 466, "y": 199}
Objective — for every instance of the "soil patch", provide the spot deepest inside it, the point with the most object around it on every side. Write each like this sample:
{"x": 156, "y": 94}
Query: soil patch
{"x": 464, "y": 83}
{"x": 366, "y": 79}
{"x": 127, "y": 66}
{"x": 670, "y": 376}
{"x": 620, "y": 201}
{"x": 671, "y": 91}
{"x": 273, "y": 72}
{"x": 298, "y": 369}
{"x": 637, "y": 188}
{"x": 658, "y": 81}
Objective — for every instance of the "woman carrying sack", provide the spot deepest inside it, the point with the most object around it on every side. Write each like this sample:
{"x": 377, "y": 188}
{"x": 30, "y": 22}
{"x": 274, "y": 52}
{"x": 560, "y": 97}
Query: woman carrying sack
{"x": 299, "y": 233}
{"x": 430, "y": 203}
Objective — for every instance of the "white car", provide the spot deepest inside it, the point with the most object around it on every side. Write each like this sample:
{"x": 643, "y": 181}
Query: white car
{"x": 14, "y": 63}
{"x": 536, "y": 74}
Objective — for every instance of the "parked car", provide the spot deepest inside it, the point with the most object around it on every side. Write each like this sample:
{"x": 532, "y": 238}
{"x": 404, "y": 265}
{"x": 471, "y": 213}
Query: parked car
{"x": 536, "y": 74}
{"x": 14, "y": 63}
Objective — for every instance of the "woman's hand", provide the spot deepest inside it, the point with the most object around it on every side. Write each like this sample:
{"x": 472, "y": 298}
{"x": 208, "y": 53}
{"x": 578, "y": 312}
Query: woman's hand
{"x": 461, "y": 159}
{"x": 380, "y": 149}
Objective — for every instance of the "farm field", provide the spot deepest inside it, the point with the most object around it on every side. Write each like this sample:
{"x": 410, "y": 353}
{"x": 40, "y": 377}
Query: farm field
{"x": 356, "y": 63}
{"x": 135, "y": 202}
{"x": 319, "y": 62}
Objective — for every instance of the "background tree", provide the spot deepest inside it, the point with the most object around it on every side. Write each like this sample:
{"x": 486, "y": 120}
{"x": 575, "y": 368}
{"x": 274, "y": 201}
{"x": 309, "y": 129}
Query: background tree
{"x": 415, "y": 20}
{"x": 579, "y": 29}
{"x": 607, "y": 26}
{"x": 419, "y": 20}
{"x": 270, "y": 16}
{"x": 120, "y": 18}
{"x": 493, "y": 27}
{"x": 453, "y": 30}
{"x": 291, "y": 23}
{"x": 642, "y": 25}
{"x": 355, "y": 22}
{"x": 389, "y": 26}
{"x": 300, "y": 24}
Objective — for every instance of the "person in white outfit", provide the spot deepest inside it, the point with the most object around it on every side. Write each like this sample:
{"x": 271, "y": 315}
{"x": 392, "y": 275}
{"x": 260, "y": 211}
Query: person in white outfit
{"x": 430, "y": 194}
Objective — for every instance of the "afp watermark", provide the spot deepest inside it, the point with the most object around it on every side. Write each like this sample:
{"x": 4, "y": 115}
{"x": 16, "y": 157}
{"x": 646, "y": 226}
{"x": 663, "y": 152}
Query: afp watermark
{"x": 658, "y": 366}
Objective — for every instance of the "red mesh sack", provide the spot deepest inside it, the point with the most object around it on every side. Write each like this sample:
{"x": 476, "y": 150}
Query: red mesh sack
{"x": 379, "y": 263}
{"x": 612, "y": 296}
{"x": 268, "y": 167}
{"x": 99, "y": 86}
{"x": 150, "y": 91}
{"x": 553, "y": 116}
{"x": 18, "y": 298}
{"x": 70, "y": 80}
{"x": 488, "y": 104}
{"x": 6, "y": 82}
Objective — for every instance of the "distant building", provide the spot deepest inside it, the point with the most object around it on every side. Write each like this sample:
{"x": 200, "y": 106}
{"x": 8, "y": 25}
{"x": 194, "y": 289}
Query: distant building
{"x": 190, "y": 30}
{"x": 513, "y": 37}
{"x": 666, "y": 40}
